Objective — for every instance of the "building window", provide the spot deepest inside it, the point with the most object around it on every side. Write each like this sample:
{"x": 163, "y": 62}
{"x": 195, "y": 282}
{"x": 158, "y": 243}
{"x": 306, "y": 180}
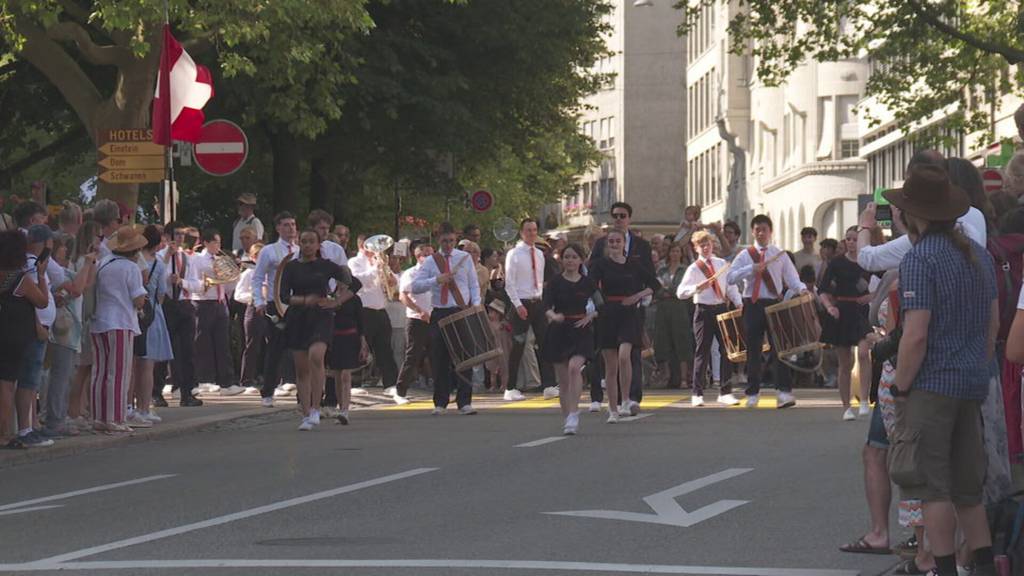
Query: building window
{"x": 850, "y": 149}
{"x": 611, "y": 131}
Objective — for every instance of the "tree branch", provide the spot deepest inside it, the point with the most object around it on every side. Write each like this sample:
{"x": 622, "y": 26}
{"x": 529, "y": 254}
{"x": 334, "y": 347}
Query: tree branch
{"x": 1010, "y": 54}
{"x": 73, "y": 9}
{"x": 68, "y": 138}
{"x": 100, "y": 55}
{"x": 60, "y": 69}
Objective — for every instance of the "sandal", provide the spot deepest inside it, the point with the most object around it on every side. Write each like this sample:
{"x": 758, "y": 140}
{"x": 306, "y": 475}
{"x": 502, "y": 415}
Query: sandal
{"x": 908, "y": 546}
{"x": 860, "y": 546}
{"x": 908, "y": 567}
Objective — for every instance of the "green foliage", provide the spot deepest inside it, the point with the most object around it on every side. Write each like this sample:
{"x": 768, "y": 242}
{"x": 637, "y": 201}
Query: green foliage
{"x": 928, "y": 55}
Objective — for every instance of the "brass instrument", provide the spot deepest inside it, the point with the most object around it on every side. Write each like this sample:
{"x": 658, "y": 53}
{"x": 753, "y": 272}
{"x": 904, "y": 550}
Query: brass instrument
{"x": 225, "y": 270}
{"x": 379, "y": 245}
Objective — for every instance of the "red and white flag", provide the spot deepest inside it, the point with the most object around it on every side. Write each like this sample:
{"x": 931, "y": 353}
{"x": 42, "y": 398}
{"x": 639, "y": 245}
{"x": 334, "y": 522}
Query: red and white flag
{"x": 178, "y": 105}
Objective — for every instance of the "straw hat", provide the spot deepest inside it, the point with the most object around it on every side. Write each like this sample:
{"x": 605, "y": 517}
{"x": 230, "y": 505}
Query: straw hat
{"x": 126, "y": 239}
{"x": 247, "y": 198}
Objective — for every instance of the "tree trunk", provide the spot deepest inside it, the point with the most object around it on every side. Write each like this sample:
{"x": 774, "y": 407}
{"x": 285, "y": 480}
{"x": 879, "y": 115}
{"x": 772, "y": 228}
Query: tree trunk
{"x": 287, "y": 169}
{"x": 321, "y": 184}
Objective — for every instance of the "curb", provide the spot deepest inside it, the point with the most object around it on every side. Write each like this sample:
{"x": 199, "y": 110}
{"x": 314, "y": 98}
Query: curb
{"x": 80, "y": 445}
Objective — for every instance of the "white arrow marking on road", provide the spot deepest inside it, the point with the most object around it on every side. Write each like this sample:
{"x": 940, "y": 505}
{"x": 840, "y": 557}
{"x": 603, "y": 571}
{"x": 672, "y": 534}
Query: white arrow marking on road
{"x": 541, "y": 442}
{"x": 666, "y": 510}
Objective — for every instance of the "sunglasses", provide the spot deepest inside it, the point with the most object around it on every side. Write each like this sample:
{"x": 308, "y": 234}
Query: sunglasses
{"x": 620, "y": 215}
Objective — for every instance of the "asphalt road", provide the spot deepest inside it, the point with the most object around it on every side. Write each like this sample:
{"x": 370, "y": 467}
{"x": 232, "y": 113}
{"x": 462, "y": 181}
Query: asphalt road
{"x": 758, "y": 492}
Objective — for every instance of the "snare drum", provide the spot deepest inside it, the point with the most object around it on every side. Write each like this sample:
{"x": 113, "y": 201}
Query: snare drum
{"x": 794, "y": 326}
{"x": 730, "y": 325}
{"x": 469, "y": 338}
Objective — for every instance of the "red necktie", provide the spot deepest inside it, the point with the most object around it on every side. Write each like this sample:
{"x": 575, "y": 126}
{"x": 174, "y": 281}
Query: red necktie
{"x": 714, "y": 284}
{"x": 757, "y": 280}
{"x": 444, "y": 287}
{"x": 533, "y": 266}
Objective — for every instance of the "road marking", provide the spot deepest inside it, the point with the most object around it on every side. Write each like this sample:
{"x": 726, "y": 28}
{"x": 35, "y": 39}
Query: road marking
{"x": 52, "y": 561}
{"x": 635, "y": 418}
{"x": 541, "y": 442}
{"x": 434, "y": 564}
{"x": 30, "y": 509}
{"x": 102, "y": 488}
{"x": 666, "y": 510}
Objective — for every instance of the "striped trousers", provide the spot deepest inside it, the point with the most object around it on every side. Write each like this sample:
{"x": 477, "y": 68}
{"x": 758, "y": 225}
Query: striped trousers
{"x": 111, "y": 375}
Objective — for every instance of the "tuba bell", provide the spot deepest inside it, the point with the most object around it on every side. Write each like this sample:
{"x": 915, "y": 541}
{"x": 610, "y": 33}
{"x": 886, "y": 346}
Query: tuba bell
{"x": 379, "y": 245}
{"x": 225, "y": 270}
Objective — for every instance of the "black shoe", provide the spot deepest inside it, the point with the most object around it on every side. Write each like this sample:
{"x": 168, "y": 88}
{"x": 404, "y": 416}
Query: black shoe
{"x": 190, "y": 401}
{"x": 159, "y": 401}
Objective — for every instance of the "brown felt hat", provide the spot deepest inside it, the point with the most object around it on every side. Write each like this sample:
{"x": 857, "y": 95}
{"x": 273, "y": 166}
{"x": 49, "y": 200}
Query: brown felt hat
{"x": 928, "y": 193}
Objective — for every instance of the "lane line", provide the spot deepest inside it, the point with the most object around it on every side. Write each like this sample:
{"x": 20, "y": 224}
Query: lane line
{"x": 92, "y": 490}
{"x": 52, "y": 561}
{"x": 635, "y": 418}
{"x": 541, "y": 442}
{"x": 30, "y": 509}
{"x": 435, "y": 564}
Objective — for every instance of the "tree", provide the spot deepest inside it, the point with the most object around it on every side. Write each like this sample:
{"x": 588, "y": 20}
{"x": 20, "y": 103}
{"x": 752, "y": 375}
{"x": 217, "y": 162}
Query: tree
{"x": 930, "y": 55}
{"x": 286, "y": 47}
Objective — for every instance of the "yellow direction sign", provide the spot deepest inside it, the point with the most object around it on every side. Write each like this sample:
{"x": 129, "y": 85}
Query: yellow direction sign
{"x": 133, "y": 162}
{"x": 132, "y": 149}
{"x": 131, "y": 176}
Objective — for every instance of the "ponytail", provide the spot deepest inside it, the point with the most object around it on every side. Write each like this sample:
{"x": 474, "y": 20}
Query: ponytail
{"x": 957, "y": 237}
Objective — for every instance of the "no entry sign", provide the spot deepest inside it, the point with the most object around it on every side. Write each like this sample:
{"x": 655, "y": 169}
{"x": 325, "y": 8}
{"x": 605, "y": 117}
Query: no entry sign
{"x": 481, "y": 200}
{"x": 222, "y": 148}
{"x": 993, "y": 180}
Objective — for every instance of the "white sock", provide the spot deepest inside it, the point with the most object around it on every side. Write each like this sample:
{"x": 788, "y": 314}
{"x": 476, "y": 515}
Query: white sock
{"x": 25, "y": 432}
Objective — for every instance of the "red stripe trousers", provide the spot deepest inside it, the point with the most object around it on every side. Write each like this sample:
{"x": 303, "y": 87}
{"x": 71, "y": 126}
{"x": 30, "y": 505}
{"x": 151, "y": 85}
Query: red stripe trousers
{"x": 112, "y": 354}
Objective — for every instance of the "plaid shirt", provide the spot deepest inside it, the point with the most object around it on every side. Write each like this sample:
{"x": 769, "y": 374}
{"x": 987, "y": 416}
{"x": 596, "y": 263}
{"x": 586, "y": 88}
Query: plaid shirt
{"x": 935, "y": 276}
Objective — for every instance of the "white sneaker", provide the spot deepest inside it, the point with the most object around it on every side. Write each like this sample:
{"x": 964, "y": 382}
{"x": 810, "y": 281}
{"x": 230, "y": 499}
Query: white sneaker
{"x": 437, "y": 411}
{"x": 151, "y": 416}
{"x": 168, "y": 390}
{"x": 551, "y": 392}
{"x": 314, "y": 417}
{"x": 390, "y": 390}
{"x": 267, "y": 402}
{"x": 342, "y": 417}
{"x": 359, "y": 392}
{"x": 137, "y": 421}
{"x": 697, "y": 401}
{"x": 513, "y": 395}
{"x": 727, "y": 400}
{"x": 176, "y": 394}
{"x": 289, "y": 386}
{"x": 209, "y": 388}
{"x": 623, "y": 410}
{"x": 251, "y": 391}
{"x": 865, "y": 409}
{"x": 786, "y": 400}
{"x": 634, "y": 408}
{"x": 467, "y": 410}
{"x": 306, "y": 425}
{"x": 232, "y": 390}
{"x": 595, "y": 406}
{"x": 849, "y": 416}
{"x": 280, "y": 392}
{"x": 612, "y": 417}
{"x": 572, "y": 423}
{"x": 752, "y": 400}
{"x": 399, "y": 400}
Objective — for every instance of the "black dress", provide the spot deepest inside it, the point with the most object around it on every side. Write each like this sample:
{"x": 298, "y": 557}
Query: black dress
{"x": 18, "y": 317}
{"x": 564, "y": 340}
{"x": 618, "y": 324}
{"x": 348, "y": 332}
{"x": 306, "y": 325}
{"x": 844, "y": 280}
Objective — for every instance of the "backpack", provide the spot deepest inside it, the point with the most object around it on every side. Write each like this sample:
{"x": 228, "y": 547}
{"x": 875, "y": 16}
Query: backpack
{"x": 1006, "y": 523}
{"x": 1008, "y": 252}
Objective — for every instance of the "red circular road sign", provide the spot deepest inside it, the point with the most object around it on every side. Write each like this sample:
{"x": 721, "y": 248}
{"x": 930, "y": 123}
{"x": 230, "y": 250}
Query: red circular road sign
{"x": 481, "y": 200}
{"x": 993, "y": 180}
{"x": 222, "y": 148}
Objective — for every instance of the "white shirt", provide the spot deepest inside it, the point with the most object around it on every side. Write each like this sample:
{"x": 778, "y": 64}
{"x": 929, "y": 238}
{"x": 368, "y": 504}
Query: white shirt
{"x": 889, "y": 255}
{"x": 200, "y": 268}
{"x": 405, "y": 287}
{"x": 372, "y": 293}
{"x": 693, "y": 276}
{"x": 266, "y": 270}
{"x": 243, "y": 291}
{"x": 782, "y": 272}
{"x": 118, "y": 283}
{"x": 461, "y": 265}
{"x": 175, "y": 266}
{"x": 333, "y": 252}
{"x": 241, "y": 223}
{"x": 55, "y": 278}
{"x": 524, "y": 273}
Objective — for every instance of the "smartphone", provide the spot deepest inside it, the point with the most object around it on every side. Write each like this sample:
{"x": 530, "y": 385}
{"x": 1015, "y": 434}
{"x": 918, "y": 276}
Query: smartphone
{"x": 43, "y": 256}
{"x": 883, "y": 213}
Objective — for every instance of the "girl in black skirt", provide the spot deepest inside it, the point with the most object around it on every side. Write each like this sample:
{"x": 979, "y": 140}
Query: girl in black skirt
{"x": 348, "y": 350}
{"x": 621, "y": 284}
{"x": 843, "y": 291}
{"x": 570, "y": 339}
{"x": 309, "y": 322}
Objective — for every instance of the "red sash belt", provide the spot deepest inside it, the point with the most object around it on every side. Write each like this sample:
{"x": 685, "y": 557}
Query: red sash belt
{"x": 346, "y": 332}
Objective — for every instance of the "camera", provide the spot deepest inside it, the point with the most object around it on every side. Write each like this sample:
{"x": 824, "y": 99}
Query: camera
{"x": 883, "y": 213}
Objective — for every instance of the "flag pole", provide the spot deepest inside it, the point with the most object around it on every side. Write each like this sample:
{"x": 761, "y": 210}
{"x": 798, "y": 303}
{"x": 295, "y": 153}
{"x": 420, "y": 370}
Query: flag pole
{"x": 169, "y": 198}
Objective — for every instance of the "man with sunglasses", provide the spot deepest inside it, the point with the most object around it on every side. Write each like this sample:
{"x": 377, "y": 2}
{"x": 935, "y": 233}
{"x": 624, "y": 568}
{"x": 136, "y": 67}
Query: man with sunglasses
{"x": 636, "y": 249}
{"x": 246, "y": 218}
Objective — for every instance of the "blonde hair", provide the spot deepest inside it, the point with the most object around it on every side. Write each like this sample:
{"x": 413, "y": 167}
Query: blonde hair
{"x": 701, "y": 236}
{"x": 254, "y": 250}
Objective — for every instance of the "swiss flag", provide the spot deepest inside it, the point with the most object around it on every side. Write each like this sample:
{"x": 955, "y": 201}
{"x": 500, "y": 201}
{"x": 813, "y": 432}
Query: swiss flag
{"x": 178, "y": 104}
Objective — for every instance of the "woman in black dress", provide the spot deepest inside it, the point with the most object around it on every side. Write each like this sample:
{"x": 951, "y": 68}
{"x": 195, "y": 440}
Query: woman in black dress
{"x": 570, "y": 339}
{"x": 621, "y": 284}
{"x": 348, "y": 349}
{"x": 309, "y": 322}
{"x": 843, "y": 291}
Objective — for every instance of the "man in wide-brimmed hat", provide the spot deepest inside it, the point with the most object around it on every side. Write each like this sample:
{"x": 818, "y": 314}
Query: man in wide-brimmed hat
{"x": 950, "y": 319}
{"x": 246, "y": 219}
